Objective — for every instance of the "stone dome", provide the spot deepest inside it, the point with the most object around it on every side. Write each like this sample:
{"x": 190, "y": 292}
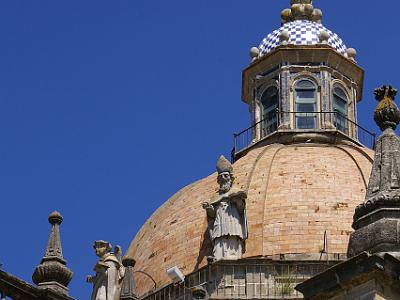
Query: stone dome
{"x": 301, "y": 32}
{"x": 296, "y": 194}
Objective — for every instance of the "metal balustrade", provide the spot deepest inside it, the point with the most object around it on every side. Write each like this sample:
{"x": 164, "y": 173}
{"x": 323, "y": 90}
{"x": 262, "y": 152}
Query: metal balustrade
{"x": 302, "y": 121}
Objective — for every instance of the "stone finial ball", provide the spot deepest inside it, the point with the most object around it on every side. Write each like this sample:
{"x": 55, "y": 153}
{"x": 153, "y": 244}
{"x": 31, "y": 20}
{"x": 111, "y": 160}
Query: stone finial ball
{"x": 317, "y": 15}
{"x": 284, "y": 36}
{"x": 297, "y": 10}
{"x": 351, "y": 52}
{"x": 55, "y": 218}
{"x": 254, "y": 52}
{"x": 286, "y": 14}
{"x": 323, "y": 36}
{"x": 199, "y": 292}
{"x": 300, "y": 2}
{"x": 308, "y": 9}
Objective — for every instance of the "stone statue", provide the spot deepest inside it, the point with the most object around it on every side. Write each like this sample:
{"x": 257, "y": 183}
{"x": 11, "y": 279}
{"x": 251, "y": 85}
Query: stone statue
{"x": 226, "y": 214}
{"x": 109, "y": 272}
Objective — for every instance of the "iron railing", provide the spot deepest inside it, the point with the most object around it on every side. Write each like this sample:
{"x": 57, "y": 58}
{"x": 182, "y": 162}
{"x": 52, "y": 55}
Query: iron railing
{"x": 302, "y": 121}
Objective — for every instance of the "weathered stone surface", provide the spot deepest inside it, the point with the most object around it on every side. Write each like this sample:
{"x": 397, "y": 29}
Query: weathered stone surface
{"x": 52, "y": 272}
{"x": 226, "y": 213}
{"x": 383, "y": 188}
{"x": 109, "y": 272}
{"x": 362, "y": 277}
{"x": 128, "y": 289}
{"x": 377, "y": 219}
{"x": 382, "y": 235}
{"x": 12, "y": 287}
{"x": 387, "y": 114}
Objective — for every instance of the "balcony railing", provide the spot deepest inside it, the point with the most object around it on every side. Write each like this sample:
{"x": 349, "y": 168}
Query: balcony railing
{"x": 302, "y": 121}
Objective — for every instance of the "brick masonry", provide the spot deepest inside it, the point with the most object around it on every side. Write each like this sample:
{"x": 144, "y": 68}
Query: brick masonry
{"x": 295, "y": 194}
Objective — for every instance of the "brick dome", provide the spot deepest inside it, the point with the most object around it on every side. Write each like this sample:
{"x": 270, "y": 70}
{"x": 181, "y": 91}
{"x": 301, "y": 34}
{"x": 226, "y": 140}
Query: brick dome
{"x": 296, "y": 193}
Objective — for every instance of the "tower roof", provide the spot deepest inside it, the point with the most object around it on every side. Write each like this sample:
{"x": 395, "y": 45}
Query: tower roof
{"x": 301, "y": 32}
{"x": 301, "y": 25}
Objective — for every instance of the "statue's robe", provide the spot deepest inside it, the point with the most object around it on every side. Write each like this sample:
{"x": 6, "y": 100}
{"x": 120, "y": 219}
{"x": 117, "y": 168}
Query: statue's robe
{"x": 107, "y": 282}
{"x": 228, "y": 224}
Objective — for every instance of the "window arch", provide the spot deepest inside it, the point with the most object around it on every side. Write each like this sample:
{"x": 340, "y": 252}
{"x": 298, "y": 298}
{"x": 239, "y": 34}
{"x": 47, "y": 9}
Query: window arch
{"x": 340, "y": 107}
{"x": 270, "y": 103}
{"x": 305, "y": 104}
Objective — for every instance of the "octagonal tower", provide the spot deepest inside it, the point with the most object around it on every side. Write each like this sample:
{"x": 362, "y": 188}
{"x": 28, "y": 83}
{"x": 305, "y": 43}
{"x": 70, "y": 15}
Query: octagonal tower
{"x": 302, "y": 79}
{"x": 302, "y": 163}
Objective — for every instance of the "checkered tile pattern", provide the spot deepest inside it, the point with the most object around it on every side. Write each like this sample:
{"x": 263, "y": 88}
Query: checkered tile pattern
{"x": 302, "y": 32}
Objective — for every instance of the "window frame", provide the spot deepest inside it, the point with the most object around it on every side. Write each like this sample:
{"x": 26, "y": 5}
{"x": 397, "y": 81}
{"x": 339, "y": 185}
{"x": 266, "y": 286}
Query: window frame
{"x": 340, "y": 116}
{"x": 269, "y": 125}
{"x": 306, "y": 115}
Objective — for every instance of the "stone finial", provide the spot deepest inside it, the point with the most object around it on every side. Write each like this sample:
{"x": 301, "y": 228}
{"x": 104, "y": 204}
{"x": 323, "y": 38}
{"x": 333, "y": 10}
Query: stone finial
{"x": 301, "y": 10}
{"x": 199, "y": 292}
{"x": 52, "y": 272}
{"x": 128, "y": 289}
{"x": 317, "y": 15}
{"x": 351, "y": 53}
{"x": 286, "y": 15}
{"x": 324, "y": 37}
{"x": 376, "y": 221}
{"x": 254, "y": 53}
{"x": 224, "y": 165}
{"x": 387, "y": 114}
{"x": 284, "y": 37}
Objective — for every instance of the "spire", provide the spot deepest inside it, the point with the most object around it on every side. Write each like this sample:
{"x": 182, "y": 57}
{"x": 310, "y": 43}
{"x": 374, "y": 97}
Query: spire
{"x": 128, "y": 290}
{"x": 301, "y": 10}
{"x": 52, "y": 272}
{"x": 377, "y": 220}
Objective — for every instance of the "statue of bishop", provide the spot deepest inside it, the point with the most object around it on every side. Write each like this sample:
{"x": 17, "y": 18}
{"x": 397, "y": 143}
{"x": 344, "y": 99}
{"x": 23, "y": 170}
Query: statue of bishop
{"x": 109, "y": 272}
{"x": 226, "y": 214}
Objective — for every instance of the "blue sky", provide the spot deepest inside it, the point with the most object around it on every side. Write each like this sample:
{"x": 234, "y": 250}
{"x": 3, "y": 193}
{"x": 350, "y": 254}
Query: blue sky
{"x": 107, "y": 108}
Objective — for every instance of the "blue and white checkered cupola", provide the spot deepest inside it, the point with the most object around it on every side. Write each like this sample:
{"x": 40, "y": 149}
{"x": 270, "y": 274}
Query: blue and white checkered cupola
{"x": 301, "y": 32}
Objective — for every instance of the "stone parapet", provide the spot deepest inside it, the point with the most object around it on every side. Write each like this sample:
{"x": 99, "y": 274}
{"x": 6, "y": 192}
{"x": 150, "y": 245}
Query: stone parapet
{"x": 243, "y": 279}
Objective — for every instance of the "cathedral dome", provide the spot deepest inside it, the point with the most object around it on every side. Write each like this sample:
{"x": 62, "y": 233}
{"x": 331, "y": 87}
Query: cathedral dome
{"x": 301, "y": 32}
{"x": 300, "y": 198}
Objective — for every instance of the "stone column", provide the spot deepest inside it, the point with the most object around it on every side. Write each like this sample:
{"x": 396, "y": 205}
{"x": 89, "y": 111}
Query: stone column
{"x": 284, "y": 107}
{"x": 326, "y": 100}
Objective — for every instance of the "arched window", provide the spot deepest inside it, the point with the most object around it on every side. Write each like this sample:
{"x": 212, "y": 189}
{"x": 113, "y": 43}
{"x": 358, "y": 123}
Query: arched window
{"x": 306, "y": 104}
{"x": 269, "y": 101}
{"x": 340, "y": 107}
